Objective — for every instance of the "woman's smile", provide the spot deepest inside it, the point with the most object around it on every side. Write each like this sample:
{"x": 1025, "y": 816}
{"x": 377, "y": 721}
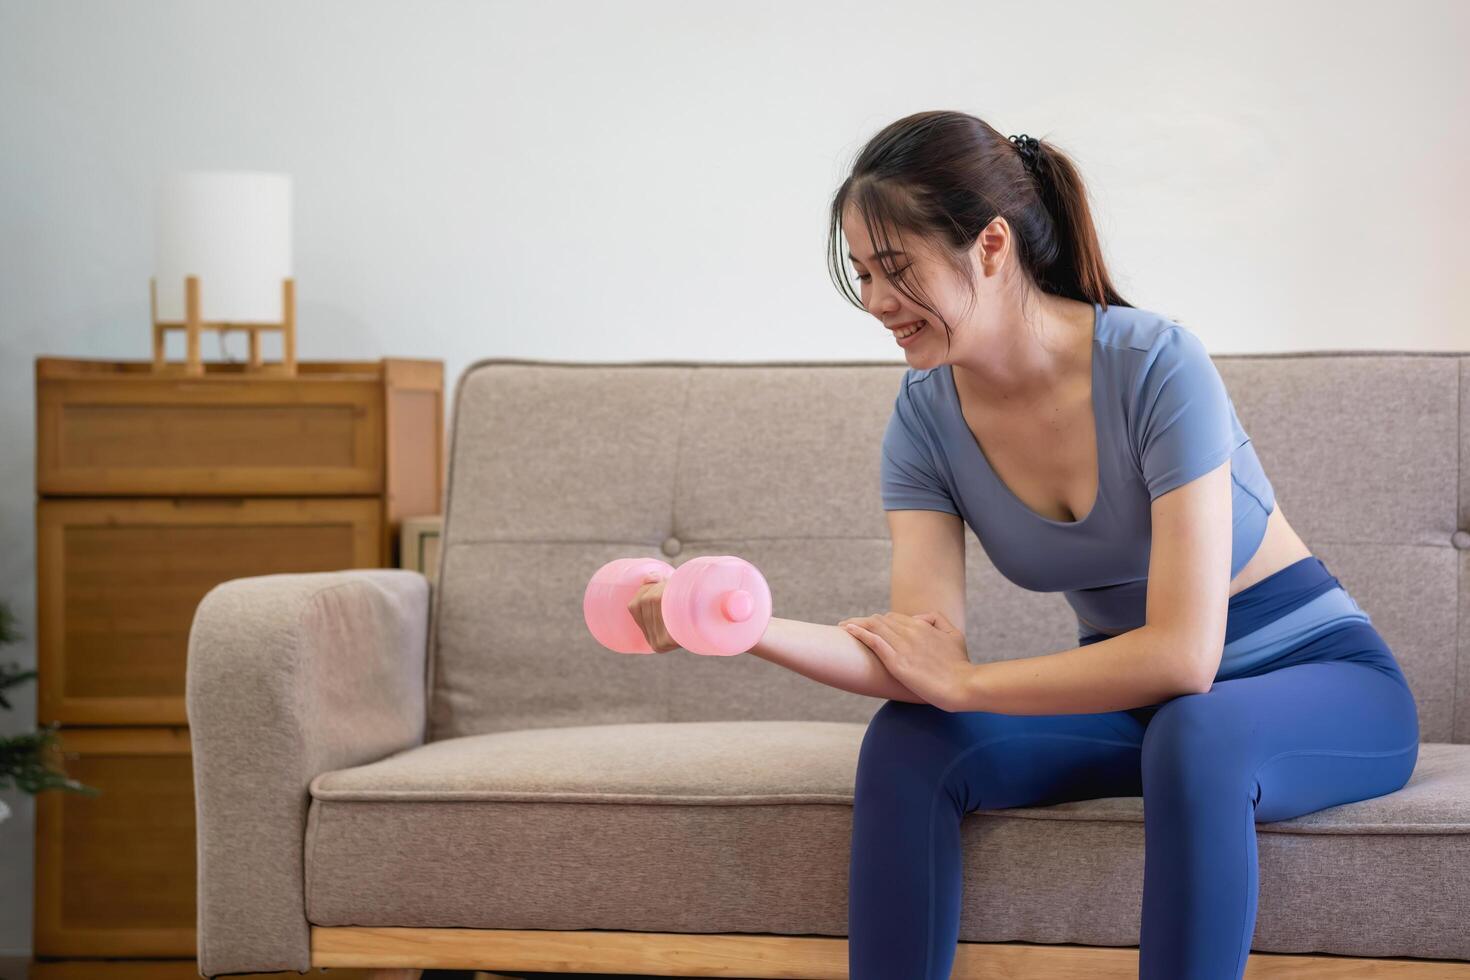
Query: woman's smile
{"x": 905, "y": 340}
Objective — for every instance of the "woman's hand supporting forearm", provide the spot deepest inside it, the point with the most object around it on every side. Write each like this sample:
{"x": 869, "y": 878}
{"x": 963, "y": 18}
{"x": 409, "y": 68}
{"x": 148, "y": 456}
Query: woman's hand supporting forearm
{"x": 830, "y": 655}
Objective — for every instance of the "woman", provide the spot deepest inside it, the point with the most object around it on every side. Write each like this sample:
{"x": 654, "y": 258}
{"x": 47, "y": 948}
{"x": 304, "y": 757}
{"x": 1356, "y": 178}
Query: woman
{"x": 1222, "y": 672}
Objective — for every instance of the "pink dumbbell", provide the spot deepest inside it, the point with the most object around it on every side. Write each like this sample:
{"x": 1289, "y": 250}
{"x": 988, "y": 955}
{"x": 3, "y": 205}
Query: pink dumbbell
{"x": 716, "y": 605}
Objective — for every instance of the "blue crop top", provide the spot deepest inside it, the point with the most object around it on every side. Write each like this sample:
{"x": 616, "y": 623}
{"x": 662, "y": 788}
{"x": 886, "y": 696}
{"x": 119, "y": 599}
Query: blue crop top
{"x": 1163, "y": 418}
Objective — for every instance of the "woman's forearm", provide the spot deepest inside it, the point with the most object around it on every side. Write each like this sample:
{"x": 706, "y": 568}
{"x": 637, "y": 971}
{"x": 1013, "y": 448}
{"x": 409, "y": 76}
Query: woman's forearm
{"x": 831, "y": 655}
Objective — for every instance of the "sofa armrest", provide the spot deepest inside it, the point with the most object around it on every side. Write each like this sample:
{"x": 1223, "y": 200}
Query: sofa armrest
{"x": 289, "y": 676}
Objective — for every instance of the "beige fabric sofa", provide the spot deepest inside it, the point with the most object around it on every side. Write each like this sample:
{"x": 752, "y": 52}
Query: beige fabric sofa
{"x": 465, "y": 779}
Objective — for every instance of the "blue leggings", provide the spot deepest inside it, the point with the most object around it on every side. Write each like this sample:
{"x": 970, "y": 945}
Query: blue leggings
{"x": 1328, "y": 719}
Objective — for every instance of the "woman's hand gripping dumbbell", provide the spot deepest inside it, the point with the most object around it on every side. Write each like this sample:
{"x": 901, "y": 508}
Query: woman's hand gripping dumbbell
{"x": 716, "y": 605}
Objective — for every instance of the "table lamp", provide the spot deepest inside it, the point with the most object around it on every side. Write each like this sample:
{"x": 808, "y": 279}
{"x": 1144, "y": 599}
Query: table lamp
{"x": 223, "y": 262}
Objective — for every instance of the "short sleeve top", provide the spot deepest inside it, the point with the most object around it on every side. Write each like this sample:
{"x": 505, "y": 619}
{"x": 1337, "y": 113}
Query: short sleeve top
{"x": 1163, "y": 418}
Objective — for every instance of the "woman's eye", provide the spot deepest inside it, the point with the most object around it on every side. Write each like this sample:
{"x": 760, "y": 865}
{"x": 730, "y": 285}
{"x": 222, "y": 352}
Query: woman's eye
{"x": 864, "y": 277}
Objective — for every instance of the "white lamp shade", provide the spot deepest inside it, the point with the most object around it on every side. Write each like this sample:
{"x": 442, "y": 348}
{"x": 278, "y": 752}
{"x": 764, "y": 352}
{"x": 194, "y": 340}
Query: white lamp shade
{"x": 232, "y": 229}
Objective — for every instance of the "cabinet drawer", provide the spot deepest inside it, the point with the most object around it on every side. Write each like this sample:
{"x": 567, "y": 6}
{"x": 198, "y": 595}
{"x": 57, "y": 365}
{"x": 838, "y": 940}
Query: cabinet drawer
{"x": 115, "y": 872}
{"x": 119, "y": 580}
{"x": 209, "y": 435}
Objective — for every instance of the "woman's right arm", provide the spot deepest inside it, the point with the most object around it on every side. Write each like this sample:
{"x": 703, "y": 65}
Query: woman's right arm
{"x": 831, "y": 655}
{"x": 928, "y": 574}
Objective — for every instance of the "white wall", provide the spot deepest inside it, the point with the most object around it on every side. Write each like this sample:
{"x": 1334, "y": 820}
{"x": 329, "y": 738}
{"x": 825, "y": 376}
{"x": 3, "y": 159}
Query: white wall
{"x": 638, "y": 180}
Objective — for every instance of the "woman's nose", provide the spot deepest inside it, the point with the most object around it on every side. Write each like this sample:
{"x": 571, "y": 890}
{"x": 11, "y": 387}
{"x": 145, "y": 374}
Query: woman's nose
{"x": 883, "y": 304}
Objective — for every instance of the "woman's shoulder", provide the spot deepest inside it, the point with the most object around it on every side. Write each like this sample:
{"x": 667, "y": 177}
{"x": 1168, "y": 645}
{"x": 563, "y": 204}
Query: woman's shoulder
{"x": 1132, "y": 328}
{"x": 1142, "y": 350}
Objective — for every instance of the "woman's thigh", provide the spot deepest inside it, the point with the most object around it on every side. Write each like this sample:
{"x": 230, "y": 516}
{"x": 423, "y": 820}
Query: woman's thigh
{"x": 1295, "y": 740}
{"x": 988, "y": 760}
{"x": 1337, "y": 723}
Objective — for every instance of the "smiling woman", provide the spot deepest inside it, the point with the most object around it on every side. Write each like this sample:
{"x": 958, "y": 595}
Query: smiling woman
{"x": 1094, "y": 450}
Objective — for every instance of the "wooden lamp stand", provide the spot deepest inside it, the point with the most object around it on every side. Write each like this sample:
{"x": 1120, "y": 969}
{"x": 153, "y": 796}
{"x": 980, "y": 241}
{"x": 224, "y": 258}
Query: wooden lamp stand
{"x": 193, "y": 326}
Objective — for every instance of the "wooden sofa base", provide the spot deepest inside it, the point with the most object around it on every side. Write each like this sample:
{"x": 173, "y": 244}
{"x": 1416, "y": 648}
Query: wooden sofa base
{"x": 400, "y": 952}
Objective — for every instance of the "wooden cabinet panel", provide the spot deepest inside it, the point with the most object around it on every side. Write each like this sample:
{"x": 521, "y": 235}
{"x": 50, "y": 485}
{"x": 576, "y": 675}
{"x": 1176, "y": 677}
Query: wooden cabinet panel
{"x": 415, "y": 439}
{"x": 158, "y": 434}
{"x": 119, "y": 581}
{"x": 115, "y": 872}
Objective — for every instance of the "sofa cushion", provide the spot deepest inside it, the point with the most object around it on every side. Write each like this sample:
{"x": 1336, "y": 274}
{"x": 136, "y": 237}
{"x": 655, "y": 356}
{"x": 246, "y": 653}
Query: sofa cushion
{"x": 745, "y": 826}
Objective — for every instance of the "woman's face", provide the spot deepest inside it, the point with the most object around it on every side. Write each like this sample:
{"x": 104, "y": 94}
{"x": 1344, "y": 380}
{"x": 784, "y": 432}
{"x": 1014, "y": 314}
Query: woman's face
{"x": 920, "y": 267}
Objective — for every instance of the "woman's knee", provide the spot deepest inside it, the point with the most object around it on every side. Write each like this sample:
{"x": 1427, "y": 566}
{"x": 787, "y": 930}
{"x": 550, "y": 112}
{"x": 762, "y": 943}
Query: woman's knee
{"x": 919, "y": 739}
{"x": 897, "y": 724}
{"x": 1192, "y": 737}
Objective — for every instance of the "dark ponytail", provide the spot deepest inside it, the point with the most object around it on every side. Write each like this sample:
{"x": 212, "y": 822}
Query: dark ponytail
{"x": 945, "y": 176}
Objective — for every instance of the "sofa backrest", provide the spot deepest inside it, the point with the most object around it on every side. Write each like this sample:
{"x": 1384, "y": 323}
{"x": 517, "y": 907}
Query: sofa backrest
{"x": 557, "y": 468}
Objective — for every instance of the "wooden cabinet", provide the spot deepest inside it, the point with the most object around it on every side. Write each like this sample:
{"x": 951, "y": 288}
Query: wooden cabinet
{"x": 151, "y": 490}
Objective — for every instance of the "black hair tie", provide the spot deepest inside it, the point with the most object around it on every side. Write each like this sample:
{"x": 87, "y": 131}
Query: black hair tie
{"x": 1028, "y": 147}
